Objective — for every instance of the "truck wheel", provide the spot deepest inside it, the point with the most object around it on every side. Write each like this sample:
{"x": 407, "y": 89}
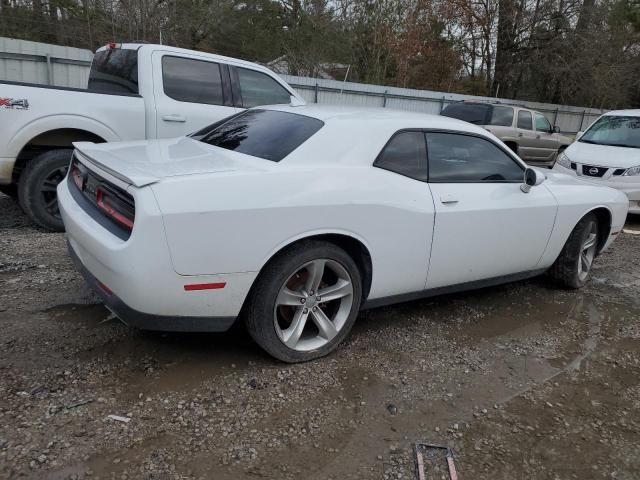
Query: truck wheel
{"x": 573, "y": 265}
{"x": 9, "y": 190}
{"x": 37, "y": 188}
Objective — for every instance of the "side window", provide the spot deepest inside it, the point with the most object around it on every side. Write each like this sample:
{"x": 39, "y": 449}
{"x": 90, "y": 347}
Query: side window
{"x": 189, "y": 80}
{"x": 524, "y": 120}
{"x": 542, "y": 124}
{"x": 405, "y": 154}
{"x": 260, "y": 89}
{"x": 463, "y": 158}
{"x": 502, "y": 116}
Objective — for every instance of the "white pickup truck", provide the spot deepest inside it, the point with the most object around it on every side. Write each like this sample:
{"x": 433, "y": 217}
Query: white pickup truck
{"x": 135, "y": 92}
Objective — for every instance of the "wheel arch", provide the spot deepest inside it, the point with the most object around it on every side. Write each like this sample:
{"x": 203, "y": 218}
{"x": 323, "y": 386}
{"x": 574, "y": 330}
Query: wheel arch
{"x": 355, "y": 248}
{"x": 604, "y": 217}
{"x": 513, "y": 145}
{"x": 54, "y": 132}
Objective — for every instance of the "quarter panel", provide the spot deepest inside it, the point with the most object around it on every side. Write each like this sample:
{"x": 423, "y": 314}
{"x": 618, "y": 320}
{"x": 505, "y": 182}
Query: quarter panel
{"x": 234, "y": 222}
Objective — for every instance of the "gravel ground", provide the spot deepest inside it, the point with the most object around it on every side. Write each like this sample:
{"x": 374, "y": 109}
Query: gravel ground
{"x": 522, "y": 381}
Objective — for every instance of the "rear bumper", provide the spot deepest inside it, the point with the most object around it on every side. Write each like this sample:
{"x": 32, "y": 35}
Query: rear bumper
{"x": 142, "y": 288}
{"x": 145, "y": 321}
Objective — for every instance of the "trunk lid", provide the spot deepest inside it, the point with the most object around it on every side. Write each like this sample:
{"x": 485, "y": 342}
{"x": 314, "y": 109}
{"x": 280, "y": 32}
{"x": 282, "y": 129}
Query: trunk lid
{"x": 145, "y": 162}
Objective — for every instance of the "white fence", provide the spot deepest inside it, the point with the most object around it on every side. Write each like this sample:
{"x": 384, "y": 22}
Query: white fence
{"x": 316, "y": 90}
{"x": 33, "y": 62}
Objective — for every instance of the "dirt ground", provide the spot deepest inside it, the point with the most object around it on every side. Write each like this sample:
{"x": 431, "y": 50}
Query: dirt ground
{"x": 523, "y": 381}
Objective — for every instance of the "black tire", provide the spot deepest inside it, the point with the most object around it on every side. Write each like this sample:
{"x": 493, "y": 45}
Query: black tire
{"x": 259, "y": 309}
{"x": 9, "y": 190}
{"x": 36, "y": 189}
{"x": 565, "y": 270}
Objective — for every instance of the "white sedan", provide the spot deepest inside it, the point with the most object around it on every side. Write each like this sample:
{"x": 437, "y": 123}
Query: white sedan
{"x": 293, "y": 218}
{"x": 608, "y": 153}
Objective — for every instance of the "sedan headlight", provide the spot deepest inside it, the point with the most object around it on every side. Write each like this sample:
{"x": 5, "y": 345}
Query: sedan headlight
{"x": 632, "y": 172}
{"x": 563, "y": 160}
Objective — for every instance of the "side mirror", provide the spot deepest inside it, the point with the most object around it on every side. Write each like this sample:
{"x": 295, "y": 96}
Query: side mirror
{"x": 532, "y": 178}
{"x": 556, "y": 129}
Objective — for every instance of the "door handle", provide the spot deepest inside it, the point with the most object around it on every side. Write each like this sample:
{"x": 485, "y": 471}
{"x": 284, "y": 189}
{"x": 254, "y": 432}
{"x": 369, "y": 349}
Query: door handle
{"x": 174, "y": 118}
{"x": 538, "y": 137}
{"x": 519, "y": 134}
{"x": 448, "y": 198}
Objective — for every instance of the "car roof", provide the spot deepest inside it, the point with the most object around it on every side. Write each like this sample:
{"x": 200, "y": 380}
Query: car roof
{"x": 626, "y": 113}
{"x": 379, "y": 118}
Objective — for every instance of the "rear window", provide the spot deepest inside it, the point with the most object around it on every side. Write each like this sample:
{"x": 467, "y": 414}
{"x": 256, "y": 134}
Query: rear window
{"x": 266, "y": 134}
{"x": 114, "y": 71}
{"x": 502, "y": 116}
{"x": 472, "y": 113}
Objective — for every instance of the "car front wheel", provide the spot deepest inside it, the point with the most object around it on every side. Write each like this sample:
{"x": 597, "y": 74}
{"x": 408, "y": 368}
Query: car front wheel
{"x": 304, "y": 302}
{"x": 571, "y": 268}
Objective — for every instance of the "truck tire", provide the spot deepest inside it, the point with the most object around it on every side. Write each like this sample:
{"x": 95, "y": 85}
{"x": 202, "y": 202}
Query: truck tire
{"x": 37, "y": 188}
{"x": 572, "y": 267}
{"x": 9, "y": 190}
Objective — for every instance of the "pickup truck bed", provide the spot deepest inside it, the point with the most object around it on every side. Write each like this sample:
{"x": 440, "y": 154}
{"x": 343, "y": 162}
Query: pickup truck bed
{"x": 135, "y": 92}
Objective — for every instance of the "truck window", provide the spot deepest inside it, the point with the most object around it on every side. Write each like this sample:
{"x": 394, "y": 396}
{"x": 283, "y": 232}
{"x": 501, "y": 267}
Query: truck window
{"x": 542, "y": 124}
{"x": 260, "y": 89}
{"x": 473, "y": 113}
{"x": 114, "y": 71}
{"x": 524, "y": 120}
{"x": 502, "y": 116}
{"x": 194, "y": 81}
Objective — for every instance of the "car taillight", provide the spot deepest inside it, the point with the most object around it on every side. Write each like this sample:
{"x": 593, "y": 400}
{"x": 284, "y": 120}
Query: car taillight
{"x": 113, "y": 46}
{"x": 115, "y": 208}
{"x": 77, "y": 176}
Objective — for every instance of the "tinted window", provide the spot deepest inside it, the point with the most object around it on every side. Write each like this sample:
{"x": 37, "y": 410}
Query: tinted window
{"x": 405, "y": 154}
{"x": 114, "y": 71}
{"x": 614, "y": 130}
{"x": 524, "y": 120}
{"x": 195, "y": 81}
{"x": 542, "y": 124}
{"x": 502, "y": 116}
{"x": 260, "y": 89}
{"x": 463, "y": 158}
{"x": 265, "y": 134}
{"x": 472, "y": 113}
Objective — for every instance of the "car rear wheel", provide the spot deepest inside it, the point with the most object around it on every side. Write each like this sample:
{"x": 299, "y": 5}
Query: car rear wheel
{"x": 571, "y": 268}
{"x": 304, "y": 302}
{"x": 37, "y": 189}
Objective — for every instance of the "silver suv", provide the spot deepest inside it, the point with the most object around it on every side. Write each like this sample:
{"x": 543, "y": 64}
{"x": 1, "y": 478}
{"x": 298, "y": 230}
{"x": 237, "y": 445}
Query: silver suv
{"x": 525, "y": 131}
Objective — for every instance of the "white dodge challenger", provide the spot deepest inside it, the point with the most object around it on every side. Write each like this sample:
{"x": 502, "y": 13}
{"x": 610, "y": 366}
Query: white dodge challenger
{"x": 294, "y": 218}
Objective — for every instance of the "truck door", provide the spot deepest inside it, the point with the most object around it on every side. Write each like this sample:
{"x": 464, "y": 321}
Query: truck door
{"x": 190, "y": 92}
{"x": 526, "y": 136}
{"x": 547, "y": 140}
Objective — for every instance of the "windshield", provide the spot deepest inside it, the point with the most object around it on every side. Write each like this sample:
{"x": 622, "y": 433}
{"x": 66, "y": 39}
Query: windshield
{"x": 617, "y": 131}
{"x": 267, "y": 134}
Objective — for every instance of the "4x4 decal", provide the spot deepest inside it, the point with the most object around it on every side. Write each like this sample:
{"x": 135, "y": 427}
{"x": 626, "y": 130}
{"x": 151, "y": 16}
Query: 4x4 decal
{"x": 14, "y": 103}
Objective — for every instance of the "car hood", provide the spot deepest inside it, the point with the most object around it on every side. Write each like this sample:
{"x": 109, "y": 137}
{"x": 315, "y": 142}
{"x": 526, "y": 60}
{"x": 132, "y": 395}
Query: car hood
{"x": 145, "y": 162}
{"x": 603, "y": 155}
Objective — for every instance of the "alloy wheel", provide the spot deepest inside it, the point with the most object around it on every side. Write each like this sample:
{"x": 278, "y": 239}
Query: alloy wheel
{"x": 313, "y": 305}
{"x": 49, "y": 193}
{"x": 587, "y": 252}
